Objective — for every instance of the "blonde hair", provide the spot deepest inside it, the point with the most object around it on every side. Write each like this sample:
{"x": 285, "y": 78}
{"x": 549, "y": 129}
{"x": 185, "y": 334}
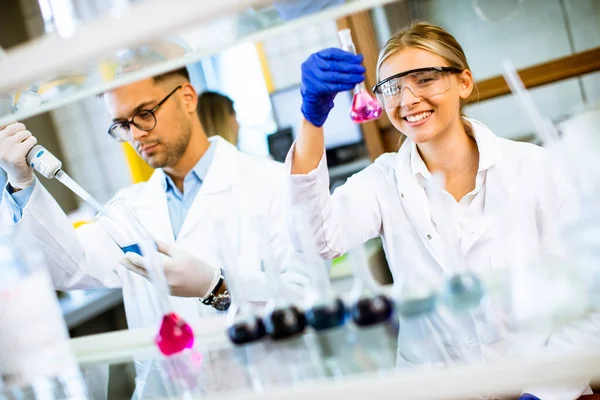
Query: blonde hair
{"x": 215, "y": 111}
{"x": 432, "y": 38}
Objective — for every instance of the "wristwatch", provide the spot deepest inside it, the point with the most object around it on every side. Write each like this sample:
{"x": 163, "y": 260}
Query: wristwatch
{"x": 219, "y": 298}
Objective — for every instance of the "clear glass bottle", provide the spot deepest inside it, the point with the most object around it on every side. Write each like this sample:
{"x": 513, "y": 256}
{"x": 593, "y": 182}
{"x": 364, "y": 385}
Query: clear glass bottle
{"x": 36, "y": 359}
{"x": 372, "y": 311}
{"x": 245, "y": 328}
{"x": 365, "y": 107}
{"x": 284, "y": 322}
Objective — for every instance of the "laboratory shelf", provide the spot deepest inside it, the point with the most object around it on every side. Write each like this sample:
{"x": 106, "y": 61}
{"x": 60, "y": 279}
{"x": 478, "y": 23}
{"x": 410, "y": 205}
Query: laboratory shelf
{"x": 150, "y": 38}
{"x": 506, "y": 377}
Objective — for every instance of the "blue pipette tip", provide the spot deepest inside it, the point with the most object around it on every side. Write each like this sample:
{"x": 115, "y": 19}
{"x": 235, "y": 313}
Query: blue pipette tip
{"x": 414, "y": 307}
{"x": 132, "y": 248}
{"x": 372, "y": 310}
{"x": 463, "y": 292}
{"x": 326, "y": 316}
{"x": 285, "y": 322}
{"x": 247, "y": 331}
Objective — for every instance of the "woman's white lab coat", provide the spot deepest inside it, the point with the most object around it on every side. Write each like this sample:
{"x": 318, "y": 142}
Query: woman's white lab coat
{"x": 386, "y": 200}
{"x": 235, "y": 184}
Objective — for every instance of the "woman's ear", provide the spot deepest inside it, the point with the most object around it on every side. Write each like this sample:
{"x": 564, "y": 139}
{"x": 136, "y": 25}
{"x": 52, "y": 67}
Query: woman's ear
{"x": 465, "y": 84}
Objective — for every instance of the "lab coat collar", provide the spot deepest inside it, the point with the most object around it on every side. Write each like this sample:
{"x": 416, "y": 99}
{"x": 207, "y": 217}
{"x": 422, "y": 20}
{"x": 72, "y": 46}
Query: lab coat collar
{"x": 221, "y": 176}
{"x": 489, "y": 152}
{"x": 197, "y": 173}
{"x": 416, "y": 204}
{"x": 153, "y": 201}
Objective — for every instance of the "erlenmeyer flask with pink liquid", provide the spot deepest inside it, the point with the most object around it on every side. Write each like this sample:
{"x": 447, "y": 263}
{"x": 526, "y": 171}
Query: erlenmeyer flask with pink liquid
{"x": 174, "y": 334}
{"x": 364, "y": 106}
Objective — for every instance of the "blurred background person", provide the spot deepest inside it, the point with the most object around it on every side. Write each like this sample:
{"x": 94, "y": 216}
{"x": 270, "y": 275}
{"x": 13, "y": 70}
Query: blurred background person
{"x": 218, "y": 117}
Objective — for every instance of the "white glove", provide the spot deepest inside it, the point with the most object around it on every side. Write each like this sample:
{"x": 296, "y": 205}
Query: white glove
{"x": 187, "y": 275}
{"x": 15, "y": 143}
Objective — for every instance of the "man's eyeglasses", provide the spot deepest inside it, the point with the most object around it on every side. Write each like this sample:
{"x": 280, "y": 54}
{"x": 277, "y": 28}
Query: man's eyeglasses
{"x": 422, "y": 82}
{"x": 144, "y": 120}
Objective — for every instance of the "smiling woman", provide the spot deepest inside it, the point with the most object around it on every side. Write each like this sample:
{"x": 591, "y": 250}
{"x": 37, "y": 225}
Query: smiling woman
{"x": 424, "y": 80}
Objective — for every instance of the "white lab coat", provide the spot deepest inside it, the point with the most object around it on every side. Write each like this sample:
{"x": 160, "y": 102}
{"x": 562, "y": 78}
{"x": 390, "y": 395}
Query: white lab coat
{"x": 87, "y": 258}
{"x": 386, "y": 200}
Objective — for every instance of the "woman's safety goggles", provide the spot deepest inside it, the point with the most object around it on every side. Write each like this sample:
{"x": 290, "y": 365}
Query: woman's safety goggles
{"x": 422, "y": 82}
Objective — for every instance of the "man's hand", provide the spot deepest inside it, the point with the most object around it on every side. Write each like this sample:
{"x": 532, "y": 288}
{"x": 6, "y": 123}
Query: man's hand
{"x": 187, "y": 275}
{"x": 15, "y": 143}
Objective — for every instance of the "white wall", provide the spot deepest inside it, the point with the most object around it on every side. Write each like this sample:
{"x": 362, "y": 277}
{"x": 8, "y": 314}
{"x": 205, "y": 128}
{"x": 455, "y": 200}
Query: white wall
{"x": 286, "y": 53}
{"x": 95, "y": 160}
{"x": 542, "y": 31}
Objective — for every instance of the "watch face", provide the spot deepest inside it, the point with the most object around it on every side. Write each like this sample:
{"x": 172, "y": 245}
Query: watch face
{"x": 222, "y": 302}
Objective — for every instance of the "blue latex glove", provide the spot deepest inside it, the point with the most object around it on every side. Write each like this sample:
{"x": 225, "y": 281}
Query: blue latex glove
{"x": 325, "y": 74}
{"x": 527, "y": 396}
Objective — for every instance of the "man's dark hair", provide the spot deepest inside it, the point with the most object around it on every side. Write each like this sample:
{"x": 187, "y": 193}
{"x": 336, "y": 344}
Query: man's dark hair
{"x": 181, "y": 72}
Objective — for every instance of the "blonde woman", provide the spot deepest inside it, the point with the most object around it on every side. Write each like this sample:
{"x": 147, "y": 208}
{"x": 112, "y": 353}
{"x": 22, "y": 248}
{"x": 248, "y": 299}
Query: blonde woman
{"x": 218, "y": 117}
{"x": 423, "y": 81}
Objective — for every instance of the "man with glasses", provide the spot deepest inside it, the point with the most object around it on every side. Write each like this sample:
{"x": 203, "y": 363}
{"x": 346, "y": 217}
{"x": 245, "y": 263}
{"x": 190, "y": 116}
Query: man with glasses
{"x": 202, "y": 204}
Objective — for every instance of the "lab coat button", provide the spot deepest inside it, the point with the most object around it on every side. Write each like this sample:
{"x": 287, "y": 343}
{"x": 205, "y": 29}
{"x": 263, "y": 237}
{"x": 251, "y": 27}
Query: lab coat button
{"x": 471, "y": 233}
{"x": 429, "y": 237}
{"x": 402, "y": 195}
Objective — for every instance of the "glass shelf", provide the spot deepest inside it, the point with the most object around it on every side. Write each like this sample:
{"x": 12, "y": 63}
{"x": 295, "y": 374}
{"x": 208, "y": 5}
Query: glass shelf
{"x": 298, "y": 369}
{"x": 94, "y": 60}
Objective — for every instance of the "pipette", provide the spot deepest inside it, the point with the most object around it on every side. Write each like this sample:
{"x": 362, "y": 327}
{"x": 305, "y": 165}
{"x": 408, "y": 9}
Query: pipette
{"x": 544, "y": 128}
{"x": 551, "y": 280}
{"x": 463, "y": 290}
{"x": 364, "y": 106}
{"x": 50, "y": 167}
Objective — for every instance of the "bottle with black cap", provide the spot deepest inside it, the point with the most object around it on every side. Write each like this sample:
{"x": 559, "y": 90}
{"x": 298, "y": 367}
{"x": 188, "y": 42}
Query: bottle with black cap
{"x": 372, "y": 312}
{"x": 284, "y": 321}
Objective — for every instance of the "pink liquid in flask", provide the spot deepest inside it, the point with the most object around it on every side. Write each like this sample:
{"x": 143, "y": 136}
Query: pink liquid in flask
{"x": 364, "y": 108}
{"x": 175, "y": 335}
